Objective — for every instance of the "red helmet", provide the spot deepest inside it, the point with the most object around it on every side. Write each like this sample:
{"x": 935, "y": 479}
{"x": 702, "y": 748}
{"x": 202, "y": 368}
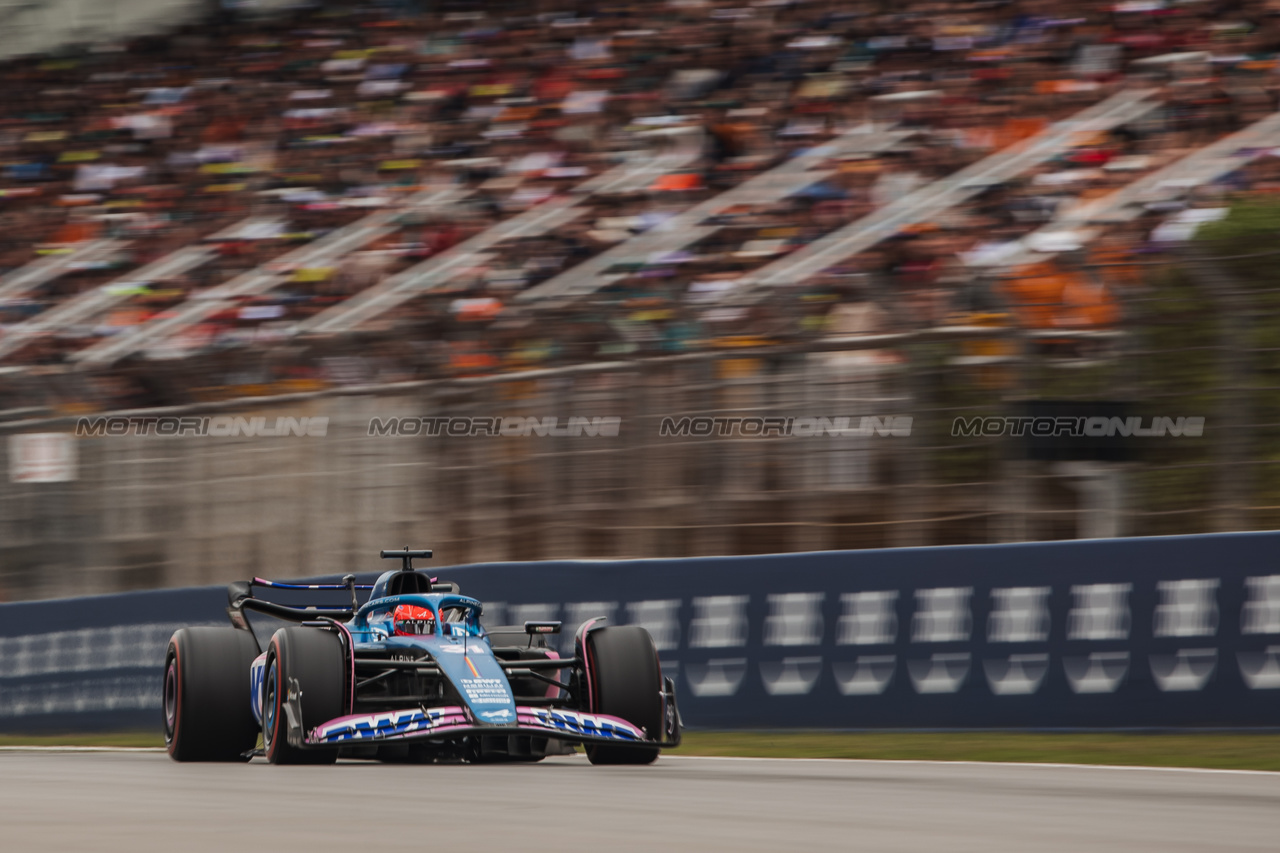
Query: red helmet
{"x": 411, "y": 620}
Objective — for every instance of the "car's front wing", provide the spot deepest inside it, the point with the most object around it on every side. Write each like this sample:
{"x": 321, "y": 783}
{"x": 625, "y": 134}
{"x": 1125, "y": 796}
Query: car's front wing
{"x": 454, "y": 721}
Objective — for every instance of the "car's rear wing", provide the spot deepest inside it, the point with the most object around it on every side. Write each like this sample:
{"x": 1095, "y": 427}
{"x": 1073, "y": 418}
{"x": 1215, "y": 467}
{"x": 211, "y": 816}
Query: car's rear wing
{"x": 240, "y": 597}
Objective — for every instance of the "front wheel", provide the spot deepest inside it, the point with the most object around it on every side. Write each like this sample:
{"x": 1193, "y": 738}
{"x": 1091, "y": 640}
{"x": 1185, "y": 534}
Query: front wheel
{"x": 626, "y": 682}
{"x": 314, "y": 660}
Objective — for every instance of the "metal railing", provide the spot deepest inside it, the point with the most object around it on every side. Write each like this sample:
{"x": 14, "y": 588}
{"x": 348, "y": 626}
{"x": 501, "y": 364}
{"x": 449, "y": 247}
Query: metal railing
{"x": 151, "y": 510}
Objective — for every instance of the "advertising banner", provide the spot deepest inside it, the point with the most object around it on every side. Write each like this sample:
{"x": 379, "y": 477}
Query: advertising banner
{"x": 1165, "y": 632}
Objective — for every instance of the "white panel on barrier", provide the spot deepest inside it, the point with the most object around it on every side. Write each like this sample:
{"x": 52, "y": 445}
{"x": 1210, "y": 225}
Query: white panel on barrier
{"x": 721, "y": 622}
{"x": 1019, "y": 614}
{"x": 1260, "y": 670}
{"x": 942, "y": 615}
{"x": 1187, "y": 608}
{"x": 1100, "y": 612}
{"x": 795, "y": 619}
{"x": 1261, "y": 613}
{"x": 1188, "y": 669}
{"x": 660, "y": 618}
{"x": 869, "y": 618}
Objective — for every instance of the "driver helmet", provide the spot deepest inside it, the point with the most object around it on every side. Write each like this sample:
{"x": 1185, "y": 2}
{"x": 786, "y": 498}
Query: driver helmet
{"x": 412, "y": 620}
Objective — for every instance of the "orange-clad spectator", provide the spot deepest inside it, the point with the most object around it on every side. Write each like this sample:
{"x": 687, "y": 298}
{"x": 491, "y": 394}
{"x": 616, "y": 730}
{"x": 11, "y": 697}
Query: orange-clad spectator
{"x": 1036, "y": 292}
{"x": 1087, "y": 304}
{"x": 77, "y": 231}
{"x": 468, "y": 359}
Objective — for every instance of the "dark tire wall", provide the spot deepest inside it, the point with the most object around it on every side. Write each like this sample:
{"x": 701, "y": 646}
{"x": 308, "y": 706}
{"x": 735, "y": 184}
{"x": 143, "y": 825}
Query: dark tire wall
{"x": 627, "y": 683}
{"x": 214, "y": 720}
{"x": 318, "y": 660}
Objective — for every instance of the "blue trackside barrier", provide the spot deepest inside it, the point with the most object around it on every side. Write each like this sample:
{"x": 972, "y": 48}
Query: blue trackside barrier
{"x": 93, "y": 664}
{"x": 1148, "y": 633}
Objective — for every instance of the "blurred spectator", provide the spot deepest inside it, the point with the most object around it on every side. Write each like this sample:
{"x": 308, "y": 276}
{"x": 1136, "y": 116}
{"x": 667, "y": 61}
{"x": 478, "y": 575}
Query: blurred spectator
{"x": 284, "y": 129}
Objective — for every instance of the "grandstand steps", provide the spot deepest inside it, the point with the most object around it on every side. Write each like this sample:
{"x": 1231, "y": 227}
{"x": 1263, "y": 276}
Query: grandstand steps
{"x": 686, "y": 228}
{"x": 442, "y": 268}
{"x": 928, "y": 201}
{"x": 322, "y": 252}
{"x": 438, "y": 271}
{"x": 96, "y": 302}
{"x": 46, "y": 269}
{"x": 1201, "y": 167}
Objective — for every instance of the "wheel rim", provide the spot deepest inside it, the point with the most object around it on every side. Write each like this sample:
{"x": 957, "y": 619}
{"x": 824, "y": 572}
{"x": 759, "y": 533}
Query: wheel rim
{"x": 269, "y": 703}
{"x": 170, "y": 698}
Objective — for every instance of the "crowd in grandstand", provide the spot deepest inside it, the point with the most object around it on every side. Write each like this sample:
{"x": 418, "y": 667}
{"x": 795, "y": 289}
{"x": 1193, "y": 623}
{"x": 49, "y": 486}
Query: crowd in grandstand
{"x": 255, "y": 137}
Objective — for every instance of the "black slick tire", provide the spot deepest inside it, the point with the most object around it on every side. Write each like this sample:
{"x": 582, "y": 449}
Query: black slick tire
{"x": 206, "y": 695}
{"x": 315, "y": 658}
{"x": 627, "y": 683}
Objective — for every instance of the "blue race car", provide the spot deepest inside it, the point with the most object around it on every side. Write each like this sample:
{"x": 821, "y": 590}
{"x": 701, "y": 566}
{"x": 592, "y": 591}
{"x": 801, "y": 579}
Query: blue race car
{"x": 411, "y": 675}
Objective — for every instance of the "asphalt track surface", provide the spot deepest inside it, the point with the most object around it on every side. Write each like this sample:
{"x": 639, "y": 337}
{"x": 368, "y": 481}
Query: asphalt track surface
{"x": 141, "y": 801}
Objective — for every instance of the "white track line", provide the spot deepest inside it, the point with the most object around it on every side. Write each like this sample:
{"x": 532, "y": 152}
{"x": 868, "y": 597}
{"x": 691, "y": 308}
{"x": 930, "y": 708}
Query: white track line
{"x": 935, "y": 763}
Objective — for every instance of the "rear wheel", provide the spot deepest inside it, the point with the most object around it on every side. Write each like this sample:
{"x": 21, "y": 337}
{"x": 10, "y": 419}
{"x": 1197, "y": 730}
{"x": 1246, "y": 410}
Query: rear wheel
{"x": 316, "y": 659}
{"x": 626, "y": 683}
{"x": 207, "y": 711}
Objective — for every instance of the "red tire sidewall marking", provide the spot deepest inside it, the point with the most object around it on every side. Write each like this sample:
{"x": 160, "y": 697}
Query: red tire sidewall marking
{"x": 662, "y": 696}
{"x": 177, "y": 692}
{"x": 593, "y": 687}
{"x": 275, "y": 721}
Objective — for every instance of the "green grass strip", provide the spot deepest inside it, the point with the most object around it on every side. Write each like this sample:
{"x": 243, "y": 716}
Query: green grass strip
{"x": 144, "y": 738}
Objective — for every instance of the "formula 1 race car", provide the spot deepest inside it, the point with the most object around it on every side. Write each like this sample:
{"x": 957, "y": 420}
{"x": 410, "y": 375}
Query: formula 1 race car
{"x": 411, "y": 675}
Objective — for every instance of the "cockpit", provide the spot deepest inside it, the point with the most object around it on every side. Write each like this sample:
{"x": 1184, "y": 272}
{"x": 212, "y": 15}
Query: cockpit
{"x": 415, "y": 619}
